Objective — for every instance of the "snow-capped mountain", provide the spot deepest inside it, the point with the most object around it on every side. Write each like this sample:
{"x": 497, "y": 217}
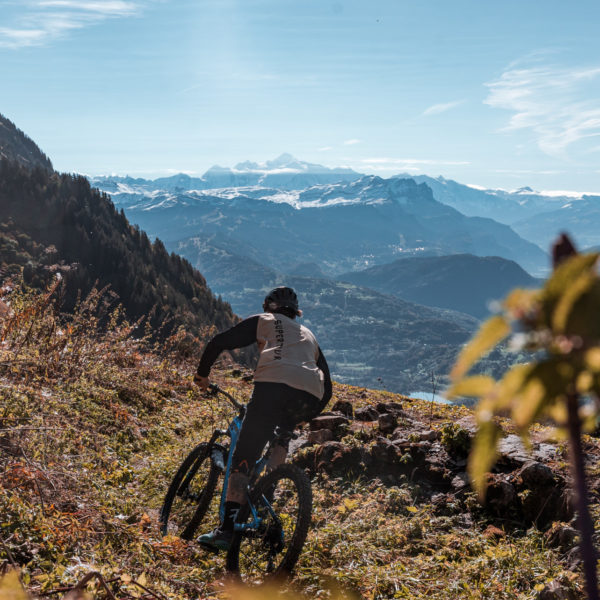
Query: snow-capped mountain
{"x": 339, "y": 226}
{"x": 284, "y": 172}
{"x": 501, "y": 205}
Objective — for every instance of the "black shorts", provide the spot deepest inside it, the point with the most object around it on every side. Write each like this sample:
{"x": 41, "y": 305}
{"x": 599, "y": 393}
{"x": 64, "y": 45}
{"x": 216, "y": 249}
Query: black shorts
{"x": 272, "y": 405}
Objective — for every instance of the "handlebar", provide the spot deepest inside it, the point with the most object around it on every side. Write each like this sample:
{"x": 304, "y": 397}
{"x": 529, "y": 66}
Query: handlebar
{"x": 213, "y": 387}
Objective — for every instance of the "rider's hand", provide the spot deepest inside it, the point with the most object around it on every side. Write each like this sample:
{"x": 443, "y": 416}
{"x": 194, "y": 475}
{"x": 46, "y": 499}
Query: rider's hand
{"x": 201, "y": 382}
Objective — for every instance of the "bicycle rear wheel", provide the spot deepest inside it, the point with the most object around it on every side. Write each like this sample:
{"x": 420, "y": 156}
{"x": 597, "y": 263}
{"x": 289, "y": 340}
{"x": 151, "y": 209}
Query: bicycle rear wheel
{"x": 283, "y": 500}
{"x": 190, "y": 494}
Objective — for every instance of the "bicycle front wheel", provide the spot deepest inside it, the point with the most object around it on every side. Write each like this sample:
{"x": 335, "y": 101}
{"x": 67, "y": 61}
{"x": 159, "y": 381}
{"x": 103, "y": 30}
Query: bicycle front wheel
{"x": 190, "y": 494}
{"x": 283, "y": 501}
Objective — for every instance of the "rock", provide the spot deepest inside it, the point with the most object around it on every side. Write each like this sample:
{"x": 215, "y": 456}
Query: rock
{"x": 492, "y": 532}
{"x": 511, "y": 452}
{"x": 535, "y": 475}
{"x": 330, "y": 422}
{"x": 320, "y": 436}
{"x": 344, "y": 407}
{"x": 389, "y": 407}
{"x": 400, "y": 435}
{"x": 501, "y": 497}
{"x": 387, "y": 423}
{"x": 543, "y": 495}
{"x": 297, "y": 444}
{"x": 460, "y": 481}
{"x": 367, "y": 413}
{"x": 561, "y": 536}
{"x": 556, "y": 591}
{"x": 429, "y": 436}
{"x": 444, "y": 504}
{"x": 384, "y": 451}
{"x": 336, "y": 458}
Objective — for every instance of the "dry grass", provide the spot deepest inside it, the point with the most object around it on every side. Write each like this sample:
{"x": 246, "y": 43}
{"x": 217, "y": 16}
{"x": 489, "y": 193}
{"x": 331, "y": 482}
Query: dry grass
{"x": 93, "y": 425}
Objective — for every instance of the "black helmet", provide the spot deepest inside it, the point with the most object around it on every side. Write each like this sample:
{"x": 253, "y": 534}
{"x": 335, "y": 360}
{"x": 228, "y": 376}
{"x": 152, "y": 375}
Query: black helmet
{"x": 282, "y": 298}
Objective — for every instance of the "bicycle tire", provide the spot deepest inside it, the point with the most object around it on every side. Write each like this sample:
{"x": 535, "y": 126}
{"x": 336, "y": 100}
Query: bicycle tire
{"x": 190, "y": 467}
{"x": 264, "y": 486}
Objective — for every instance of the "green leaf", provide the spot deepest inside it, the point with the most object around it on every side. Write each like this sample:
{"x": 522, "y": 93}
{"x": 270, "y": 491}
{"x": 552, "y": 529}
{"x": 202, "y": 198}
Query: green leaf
{"x": 483, "y": 455}
{"x": 563, "y": 278}
{"x": 509, "y": 387}
{"x": 521, "y": 302}
{"x": 592, "y": 359}
{"x": 568, "y": 299}
{"x": 543, "y": 385}
{"x": 477, "y": 386}
{"x": 568, "y": 272}
{"x": 491, "y": 333}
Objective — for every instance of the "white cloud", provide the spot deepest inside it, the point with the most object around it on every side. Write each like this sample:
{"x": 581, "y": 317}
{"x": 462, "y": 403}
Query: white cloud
{"x": 325, "y": 149}
{"x": 41, "y": 21}
{"x": 108, "y": 7}
{"x": 437, "y": 109}
{"x": 351, "y": 142}
{"x": 561, "y": 106}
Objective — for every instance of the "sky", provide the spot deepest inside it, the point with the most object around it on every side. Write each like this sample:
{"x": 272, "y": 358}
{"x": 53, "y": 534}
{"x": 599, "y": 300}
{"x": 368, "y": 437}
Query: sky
{"x": 497, "y": 94}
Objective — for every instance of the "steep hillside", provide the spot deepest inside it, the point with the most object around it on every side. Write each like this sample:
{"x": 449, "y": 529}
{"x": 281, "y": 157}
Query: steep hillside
{"x": 93, "y": 431}
{"x": 51, "y": 223}
{"x": 16, "y": 146}
{"x": 463, "y": 282}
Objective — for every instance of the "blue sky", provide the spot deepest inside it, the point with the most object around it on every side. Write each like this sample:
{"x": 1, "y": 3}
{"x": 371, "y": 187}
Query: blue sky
{"x": 498, "y": 94}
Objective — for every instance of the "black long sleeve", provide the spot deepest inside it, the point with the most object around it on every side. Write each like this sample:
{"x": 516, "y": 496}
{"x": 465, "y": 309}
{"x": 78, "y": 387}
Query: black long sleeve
{"x": 241, "y": 335}
{"x": 322, "y": 364}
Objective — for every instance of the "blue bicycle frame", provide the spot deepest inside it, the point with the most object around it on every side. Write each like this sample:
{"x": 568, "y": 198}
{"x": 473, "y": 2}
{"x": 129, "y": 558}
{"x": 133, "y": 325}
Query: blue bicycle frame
{"x": 234, "y": 433}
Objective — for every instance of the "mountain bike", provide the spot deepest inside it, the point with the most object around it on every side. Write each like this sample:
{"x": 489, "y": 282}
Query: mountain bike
{"x": 271, "y": 527}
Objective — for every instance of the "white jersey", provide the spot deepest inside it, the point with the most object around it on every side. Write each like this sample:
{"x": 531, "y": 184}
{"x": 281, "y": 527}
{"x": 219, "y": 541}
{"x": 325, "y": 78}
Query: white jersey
{"x": 288, "y": 354}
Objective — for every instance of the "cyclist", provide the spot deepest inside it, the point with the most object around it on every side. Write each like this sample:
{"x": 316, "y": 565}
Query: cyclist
{"x": 291, "y": 385}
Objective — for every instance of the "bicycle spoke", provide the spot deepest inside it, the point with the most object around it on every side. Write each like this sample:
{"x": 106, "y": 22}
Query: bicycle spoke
{"x": 283, "y": 501}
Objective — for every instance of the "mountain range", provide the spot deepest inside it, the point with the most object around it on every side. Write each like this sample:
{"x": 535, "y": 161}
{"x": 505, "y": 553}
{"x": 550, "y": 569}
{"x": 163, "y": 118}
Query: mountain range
{"x": 538, "y": 217}
{"x": 341, "y": 226}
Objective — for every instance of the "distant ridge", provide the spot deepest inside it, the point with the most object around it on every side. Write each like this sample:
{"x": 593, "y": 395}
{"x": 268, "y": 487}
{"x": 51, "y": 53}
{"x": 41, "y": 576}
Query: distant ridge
{"x": 17, "y": 146}
{"x": 461, "y": 282}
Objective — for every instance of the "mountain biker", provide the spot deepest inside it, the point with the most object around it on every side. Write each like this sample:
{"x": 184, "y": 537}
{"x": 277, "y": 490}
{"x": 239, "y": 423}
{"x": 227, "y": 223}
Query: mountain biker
{"x": 291, "y": 385}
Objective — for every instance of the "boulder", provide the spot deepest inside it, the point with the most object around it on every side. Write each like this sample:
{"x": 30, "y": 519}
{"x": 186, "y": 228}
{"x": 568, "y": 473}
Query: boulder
{"x": 387, "y": 423}
{"x": 544, "y": 498}
{"x": 501, "y": 497}
{"x": 330, "y": 422}
{"x": 384, "y": 451}
{"x": 429, "y": 436}
{"x": 535, "y": 475}
{"x": 367, "y": 413}
{"x": 386, "y": 407}
{"x": 339, "y": 459}
{"x": 344, "y": 407}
